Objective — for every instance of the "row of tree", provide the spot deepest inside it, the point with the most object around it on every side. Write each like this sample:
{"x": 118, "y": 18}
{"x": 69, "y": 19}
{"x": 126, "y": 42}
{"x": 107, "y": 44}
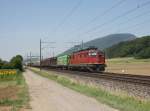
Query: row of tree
{"x": 138, "y": 48}
{"x": 14, "y": 63}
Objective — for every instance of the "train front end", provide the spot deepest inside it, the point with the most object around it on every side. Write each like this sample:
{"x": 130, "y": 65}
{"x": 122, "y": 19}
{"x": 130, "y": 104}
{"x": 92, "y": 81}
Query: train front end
{"x": 97, "y": 60}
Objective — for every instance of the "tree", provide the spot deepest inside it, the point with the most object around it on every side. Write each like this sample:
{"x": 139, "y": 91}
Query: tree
{"x": 16, "y": 62}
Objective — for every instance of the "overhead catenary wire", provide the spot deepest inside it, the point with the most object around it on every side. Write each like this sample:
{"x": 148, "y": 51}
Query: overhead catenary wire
{"x": 102, "y": 14}
{"x": 116, "y": 18}
{"x": 138, "y": 24}
{"x": 135, "y": 26}
{"x": 105, "y": 12}
{"x": 131, "y": 19}
{"x": 128, "y": 20}
{"x": 69, "y": 14}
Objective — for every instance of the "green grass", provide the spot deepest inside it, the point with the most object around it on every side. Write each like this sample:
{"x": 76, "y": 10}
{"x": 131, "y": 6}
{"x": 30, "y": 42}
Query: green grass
{"x": 22, "y": 99}
{"x": 123, "y": 103}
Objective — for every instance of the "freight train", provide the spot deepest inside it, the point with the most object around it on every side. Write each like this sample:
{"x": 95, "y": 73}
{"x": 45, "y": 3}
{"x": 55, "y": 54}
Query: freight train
{"x": 91, "y": 59}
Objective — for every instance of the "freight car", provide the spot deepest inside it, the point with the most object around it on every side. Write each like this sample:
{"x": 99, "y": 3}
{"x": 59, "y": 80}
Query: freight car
{"x": 90, "y": 59}
{"x": 49, "y": 62}
{"x": 63, "y": 61}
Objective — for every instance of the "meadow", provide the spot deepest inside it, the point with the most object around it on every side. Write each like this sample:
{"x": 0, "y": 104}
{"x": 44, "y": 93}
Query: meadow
{"x": 128, "y": 65}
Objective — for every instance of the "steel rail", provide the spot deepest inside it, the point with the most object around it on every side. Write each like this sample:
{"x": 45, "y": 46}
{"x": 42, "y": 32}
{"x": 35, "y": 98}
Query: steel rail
{"x": 130, "y": 78}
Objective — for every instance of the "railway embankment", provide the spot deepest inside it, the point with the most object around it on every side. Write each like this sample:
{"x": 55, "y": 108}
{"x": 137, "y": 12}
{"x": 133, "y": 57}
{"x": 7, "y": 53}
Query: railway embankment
{"x": 115, "y": 94}
{"x": 118, "y": 84}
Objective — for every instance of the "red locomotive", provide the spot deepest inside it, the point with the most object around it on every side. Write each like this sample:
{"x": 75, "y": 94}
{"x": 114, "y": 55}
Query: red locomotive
{"x": 90, "y": 59}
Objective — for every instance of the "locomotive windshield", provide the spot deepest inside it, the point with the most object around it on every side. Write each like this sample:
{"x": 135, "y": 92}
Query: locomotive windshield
{"x": 92, "y": 53}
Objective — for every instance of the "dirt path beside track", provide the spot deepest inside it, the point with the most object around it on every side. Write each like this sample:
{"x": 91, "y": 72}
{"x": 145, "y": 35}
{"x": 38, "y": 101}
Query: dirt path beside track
{"x": 47, "y": 95}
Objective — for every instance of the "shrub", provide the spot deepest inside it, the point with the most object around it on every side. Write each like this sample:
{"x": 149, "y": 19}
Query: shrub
{"x": 16, "y": 62}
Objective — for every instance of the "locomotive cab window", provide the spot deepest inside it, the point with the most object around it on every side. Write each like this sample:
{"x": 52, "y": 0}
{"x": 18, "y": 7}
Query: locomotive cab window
{"x": 92, "y": 53}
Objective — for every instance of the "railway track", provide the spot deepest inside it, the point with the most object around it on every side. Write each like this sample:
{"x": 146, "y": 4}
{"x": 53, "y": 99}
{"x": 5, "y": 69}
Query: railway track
{"x": 136, "y": 79}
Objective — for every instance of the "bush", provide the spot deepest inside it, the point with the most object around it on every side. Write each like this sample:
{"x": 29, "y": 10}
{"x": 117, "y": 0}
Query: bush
{"x": 16, "y": 62}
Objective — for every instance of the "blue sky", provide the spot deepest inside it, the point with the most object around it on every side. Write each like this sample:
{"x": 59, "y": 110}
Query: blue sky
{"x": 24, "y": 22}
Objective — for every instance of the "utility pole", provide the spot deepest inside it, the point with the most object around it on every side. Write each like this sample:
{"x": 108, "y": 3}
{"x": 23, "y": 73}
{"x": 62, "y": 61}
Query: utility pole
{"x": 82, "y": 45}
{"x": 27, "y": 60}
{"x": 30, "y": 59}
{"x": 42, "y": 42}
{"x": 40, "y": 54}
{"x": 53, "y": 54}
{"x": 52, "y": 50}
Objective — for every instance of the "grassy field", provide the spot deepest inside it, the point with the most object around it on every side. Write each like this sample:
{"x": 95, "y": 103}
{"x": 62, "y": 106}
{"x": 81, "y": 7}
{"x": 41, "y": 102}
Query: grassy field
{"x": 123, "y": 103}
{"x": 13, "y": 93}
{"x": 128, "y": 65}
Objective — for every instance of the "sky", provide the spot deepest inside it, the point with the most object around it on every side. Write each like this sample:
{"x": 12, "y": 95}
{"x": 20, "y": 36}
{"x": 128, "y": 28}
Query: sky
{"x": 65, "y": 23}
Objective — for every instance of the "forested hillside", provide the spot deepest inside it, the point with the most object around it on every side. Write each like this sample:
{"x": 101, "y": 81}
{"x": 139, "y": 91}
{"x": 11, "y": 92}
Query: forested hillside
{"x": 138, "y": 48}
{"x": 103, "y": 42}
